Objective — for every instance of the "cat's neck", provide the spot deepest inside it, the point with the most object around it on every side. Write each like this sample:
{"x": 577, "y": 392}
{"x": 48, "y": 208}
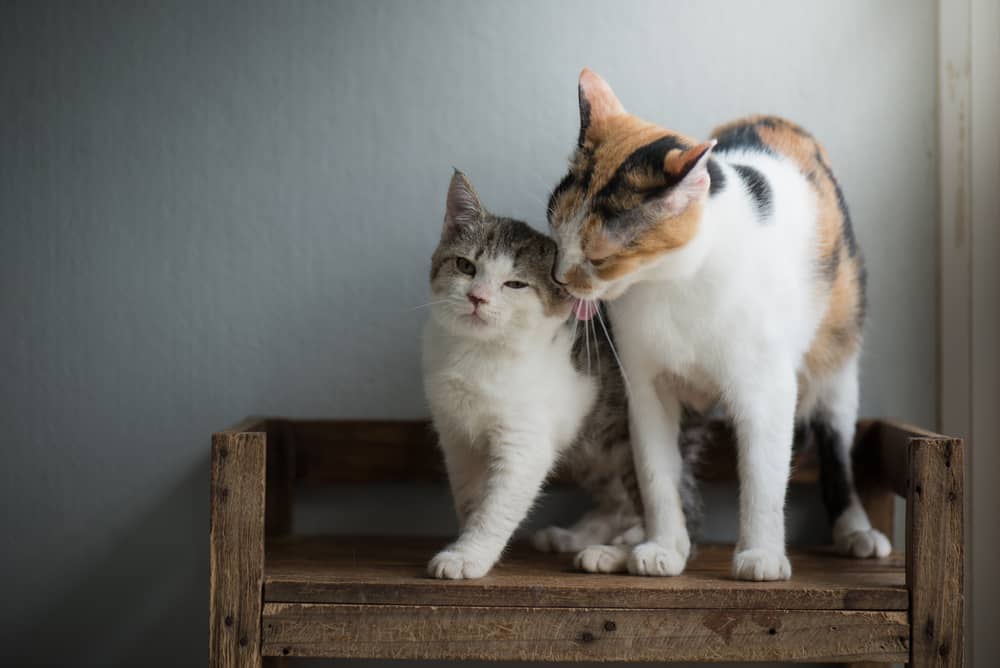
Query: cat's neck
{"x": 692, "y": 260}
{"x": 515, "y": 344}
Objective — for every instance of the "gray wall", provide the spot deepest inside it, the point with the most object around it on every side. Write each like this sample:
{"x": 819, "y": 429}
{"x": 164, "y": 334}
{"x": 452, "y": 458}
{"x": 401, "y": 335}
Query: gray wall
{"x": 210, "y": 211}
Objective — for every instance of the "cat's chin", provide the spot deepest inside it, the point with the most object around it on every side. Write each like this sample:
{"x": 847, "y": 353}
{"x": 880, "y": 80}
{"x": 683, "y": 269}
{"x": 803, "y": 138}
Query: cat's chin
{"x": 470, "y": 325}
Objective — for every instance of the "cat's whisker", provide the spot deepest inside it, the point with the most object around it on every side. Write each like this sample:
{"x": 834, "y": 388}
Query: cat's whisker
{"x": 586, "y": 340}
{"x": 439, "y": 301}
{"x": 621, "y": 367}
{"x": 597, "y": 350}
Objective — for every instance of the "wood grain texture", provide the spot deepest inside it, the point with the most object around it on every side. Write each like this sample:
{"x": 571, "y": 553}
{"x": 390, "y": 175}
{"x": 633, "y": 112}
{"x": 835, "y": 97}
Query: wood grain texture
{"x": 935, "y": 551}
{"x": 391, "y": 571}
{"x": 278, "y": 508}
{"x": 236, "y": 547}
{"x": 581, "y": 634}
{"x": 366, "y": 451}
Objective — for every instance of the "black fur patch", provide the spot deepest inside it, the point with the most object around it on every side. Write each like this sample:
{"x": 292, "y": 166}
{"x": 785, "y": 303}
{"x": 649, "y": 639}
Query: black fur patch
{"x": 716, "y": 177}
{"x": 833, "y": 463}
{"x": 648, "y": 158}
{"x": 759, "y": 189}
{"x": 741, "y": 137}
{"x": 563, "y": 186}
{"x": 584, "y": 117}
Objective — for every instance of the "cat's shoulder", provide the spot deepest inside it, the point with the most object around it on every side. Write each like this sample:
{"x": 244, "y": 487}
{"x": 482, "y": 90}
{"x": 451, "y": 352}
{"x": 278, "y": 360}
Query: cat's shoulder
{"x": 766, "y": 134}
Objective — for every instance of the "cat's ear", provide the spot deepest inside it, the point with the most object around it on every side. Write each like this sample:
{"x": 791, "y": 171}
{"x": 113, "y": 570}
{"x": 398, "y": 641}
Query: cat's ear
{"x": 688, "y": 170}
{"x": 462, "y": 206}
{"x": 597, "y": 101}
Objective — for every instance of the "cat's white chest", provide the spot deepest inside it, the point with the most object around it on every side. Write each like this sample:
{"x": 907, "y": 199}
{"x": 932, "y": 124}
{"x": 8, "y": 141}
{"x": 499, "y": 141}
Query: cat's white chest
{"x": 474, "y": 391}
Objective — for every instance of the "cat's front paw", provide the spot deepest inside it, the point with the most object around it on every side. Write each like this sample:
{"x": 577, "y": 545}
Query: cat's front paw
{"x": 863, "y": 544}
{"x": 760, "y": 564}
{"x": 452, "y": 564}
{"x": 602, "y": 559}
{"x": 656, "y": 559}
{"x": 556, "y": 539}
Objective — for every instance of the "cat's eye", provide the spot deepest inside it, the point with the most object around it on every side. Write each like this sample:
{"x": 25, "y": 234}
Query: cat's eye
{"x": 517, "y": 285}
{"x": 465, "y": 266}
{"x": 597, "y": 262}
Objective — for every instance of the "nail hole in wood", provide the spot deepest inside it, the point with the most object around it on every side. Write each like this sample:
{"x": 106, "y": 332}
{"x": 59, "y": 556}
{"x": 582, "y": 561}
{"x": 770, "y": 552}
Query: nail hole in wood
{"x": 228, "y": 621}
{"x": 929, "y": 629}
{"x": 944, "y": 649}
{"x": 772, "y": 632}
{"x": 952, "y": 496}
{"x": 243, "y": 641}
{"x": 917, "y": 489}
{"x": 286, "y": 651}
{"x": 587, "y": 636}
{"x": 610, "y": 626}
{"x": 223, "y": 452}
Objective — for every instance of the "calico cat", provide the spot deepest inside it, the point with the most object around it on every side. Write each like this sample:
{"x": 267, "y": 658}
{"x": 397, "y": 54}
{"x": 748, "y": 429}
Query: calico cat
{"x": 513, "y": 387}
{"x": 731, "y": 274}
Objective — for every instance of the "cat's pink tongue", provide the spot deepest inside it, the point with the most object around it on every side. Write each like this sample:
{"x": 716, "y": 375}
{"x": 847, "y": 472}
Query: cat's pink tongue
{"x": 584, "y": 310}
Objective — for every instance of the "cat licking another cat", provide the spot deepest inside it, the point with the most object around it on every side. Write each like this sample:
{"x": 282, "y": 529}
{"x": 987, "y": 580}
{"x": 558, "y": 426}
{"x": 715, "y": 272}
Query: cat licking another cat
{"x": 733, "y": 281}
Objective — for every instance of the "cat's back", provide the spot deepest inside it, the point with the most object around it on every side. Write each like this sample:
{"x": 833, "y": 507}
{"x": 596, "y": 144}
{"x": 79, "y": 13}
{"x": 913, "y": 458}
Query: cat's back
{"x": 785, "y": 141}
{"x": 836, "y": 262}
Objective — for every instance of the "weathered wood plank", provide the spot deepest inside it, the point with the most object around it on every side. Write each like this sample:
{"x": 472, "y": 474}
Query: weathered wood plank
{"x": 392, "y": 571}
{"x": 278, "y": 510}
{"x": 935, "y": 552}
{"x": 581, "y": 634}
{"x": 365, "y": 451}
{"x": 236, "y": 548}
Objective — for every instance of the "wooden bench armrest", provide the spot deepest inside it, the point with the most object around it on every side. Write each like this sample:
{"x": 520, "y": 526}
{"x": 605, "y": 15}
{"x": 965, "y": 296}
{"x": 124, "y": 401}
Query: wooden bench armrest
{"x": 236, "y": 543}
{"x": 927, "y": 469}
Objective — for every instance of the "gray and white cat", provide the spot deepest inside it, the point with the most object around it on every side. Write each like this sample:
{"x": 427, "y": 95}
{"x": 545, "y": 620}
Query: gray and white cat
{"x": 513, "y": 388}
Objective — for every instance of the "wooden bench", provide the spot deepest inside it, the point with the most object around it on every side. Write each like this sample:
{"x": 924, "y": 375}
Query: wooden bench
{"x": 276, "y": 595}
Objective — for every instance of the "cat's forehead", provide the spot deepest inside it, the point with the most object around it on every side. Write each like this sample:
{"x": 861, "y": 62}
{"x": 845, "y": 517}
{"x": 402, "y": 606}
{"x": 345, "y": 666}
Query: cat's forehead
{"x": 511, "y": 242}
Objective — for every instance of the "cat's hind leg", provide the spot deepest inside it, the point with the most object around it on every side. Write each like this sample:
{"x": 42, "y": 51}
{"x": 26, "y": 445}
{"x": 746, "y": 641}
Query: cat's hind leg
{"x": 598, "y": 526}
{"x": 832, "y": 422}
{"x": 595, "y": 526}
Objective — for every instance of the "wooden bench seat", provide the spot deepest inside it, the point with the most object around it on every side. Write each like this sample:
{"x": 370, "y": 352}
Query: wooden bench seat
{"x": 275, "y": 594}
{"x": 374, "y": 593}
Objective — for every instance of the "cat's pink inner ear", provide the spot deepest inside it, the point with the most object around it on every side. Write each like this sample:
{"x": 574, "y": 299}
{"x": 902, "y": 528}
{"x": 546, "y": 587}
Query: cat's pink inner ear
{"x": 462, "y": 205}
{"x": 601, "y": 100}
{"x": 692, "y": 166}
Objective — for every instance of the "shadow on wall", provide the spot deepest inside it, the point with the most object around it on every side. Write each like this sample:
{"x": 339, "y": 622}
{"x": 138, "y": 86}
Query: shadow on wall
{"x": 134, "y": 607}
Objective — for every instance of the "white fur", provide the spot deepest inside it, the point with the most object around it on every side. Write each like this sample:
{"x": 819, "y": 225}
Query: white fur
{"x": 506, "y": 401}
{"x": 730, "y": 315}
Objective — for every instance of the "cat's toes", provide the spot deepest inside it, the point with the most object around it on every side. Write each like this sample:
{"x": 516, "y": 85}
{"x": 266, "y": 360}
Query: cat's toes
{"x": 632, "y": 536}
{"x": 656, "y": 559}
{"x": 456, "y": 565}
{"x": 863, "y": 544}
{"x": 760, "y": 564}
{"x": 555, "y": 539}
{"x": 602, "y": 559}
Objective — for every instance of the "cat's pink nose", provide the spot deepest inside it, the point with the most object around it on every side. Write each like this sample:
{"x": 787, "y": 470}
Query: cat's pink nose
{"x": 476, "y": 299}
